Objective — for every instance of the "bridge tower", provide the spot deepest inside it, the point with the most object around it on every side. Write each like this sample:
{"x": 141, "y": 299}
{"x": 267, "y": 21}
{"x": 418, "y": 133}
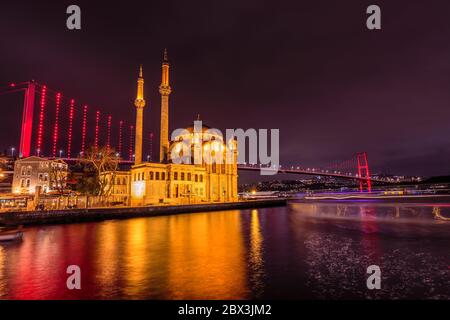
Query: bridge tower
{"x": 27, "y": 120}
{"x": 363, "y": 171}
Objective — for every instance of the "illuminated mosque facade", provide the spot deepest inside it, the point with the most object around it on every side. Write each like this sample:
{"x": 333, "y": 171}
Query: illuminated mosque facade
{"x": 148, "y": 183}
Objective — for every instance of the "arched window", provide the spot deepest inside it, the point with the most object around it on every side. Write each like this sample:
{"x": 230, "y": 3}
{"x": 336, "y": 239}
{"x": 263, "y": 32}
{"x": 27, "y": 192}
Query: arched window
{"x": 189, "y": 176}
{"x": 163, "y": 176}
{"x": 182, "y": 176}
{"x": 124, "y": 181}
{"x": 28, "y": 183}
{"x": 157, "y": 175}
{"x": 151, "y": 175}
{"x": 201, "y": 178}
{"x": 196, "y": 178}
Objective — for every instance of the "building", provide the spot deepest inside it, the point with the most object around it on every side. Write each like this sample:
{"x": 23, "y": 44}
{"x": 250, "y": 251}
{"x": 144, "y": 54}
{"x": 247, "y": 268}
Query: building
{"x": 32, "y": 172}
{"x": 177, "y": 183}
{"x": 120, "y": 188}
{"x": 6, "y": 174}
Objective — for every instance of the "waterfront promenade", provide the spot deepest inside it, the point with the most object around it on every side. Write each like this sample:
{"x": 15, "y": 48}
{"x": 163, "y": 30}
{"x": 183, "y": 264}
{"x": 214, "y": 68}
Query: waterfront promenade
{"x": 98, "y": 214}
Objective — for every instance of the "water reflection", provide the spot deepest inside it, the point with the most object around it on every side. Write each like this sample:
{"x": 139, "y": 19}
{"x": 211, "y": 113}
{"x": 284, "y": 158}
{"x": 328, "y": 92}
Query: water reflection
{"x": 410, "y": 211}
{"x": 205, "y": 255}
{"x": 256, "y": 255}
{"x": 305, "y": 250}
{"x": 342, "y": 239}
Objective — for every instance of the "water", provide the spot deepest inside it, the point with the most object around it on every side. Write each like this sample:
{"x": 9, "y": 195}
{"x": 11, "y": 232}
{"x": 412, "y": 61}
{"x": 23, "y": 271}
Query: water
{"x": 302, "y": 251}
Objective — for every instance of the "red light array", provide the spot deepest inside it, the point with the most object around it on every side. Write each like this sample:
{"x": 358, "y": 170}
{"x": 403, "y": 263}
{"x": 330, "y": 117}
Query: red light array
{"x": 56, "y": 126}
{"x": 120, "y": 138}
{"x": 151, "y": 146}
{"x": 69, "y": 133}
{"x": 83, "y": 129}
{"x": 41, "y": 119}
{"x": 108, "y": 134}
{"x": 131, "y": 144}
{"x": 97, "y": 121}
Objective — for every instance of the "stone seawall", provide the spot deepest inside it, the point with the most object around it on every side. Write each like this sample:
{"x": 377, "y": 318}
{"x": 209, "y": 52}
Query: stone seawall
{"x": 99, "y": 214}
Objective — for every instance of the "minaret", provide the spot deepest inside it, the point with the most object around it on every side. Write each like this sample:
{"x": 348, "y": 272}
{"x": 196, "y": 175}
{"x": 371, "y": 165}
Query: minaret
{"x": 140, "y": 104}
{"x": 165, "y": 90}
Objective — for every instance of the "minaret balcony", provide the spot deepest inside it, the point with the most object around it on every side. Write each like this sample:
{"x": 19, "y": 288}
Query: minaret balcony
{"x": 165, "y": 90}
{"x": 139, "y": 103}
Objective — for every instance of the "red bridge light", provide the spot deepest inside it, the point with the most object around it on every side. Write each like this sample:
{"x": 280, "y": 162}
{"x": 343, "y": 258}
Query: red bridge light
{"x": 41, "y": 120}
{"x": 131, "y": 144}
{"x": 83, "y": 129}
{"x": 108, "y": 133}
{"x": 56, "y": 126}
{"x": 120, "y": 138}
{"x": 69, "y": 133}
{"x": 97, "y": 121}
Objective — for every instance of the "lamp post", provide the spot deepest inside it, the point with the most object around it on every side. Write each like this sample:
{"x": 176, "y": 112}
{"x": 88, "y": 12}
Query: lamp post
{"x": 60, "y": 153}
{"x": 12, "y": 151}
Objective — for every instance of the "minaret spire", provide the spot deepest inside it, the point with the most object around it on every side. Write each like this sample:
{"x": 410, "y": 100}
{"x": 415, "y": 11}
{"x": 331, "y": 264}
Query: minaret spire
{"x": 165, "y": 58}
{"x": 164, "y": 90}
{"x": 139, "y": 104}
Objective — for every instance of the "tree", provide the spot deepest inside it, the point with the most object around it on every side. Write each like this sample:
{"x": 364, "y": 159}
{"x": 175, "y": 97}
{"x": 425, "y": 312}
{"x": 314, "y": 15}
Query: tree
{"x": 103, "y": 164}
{"x": 58, "y": 176}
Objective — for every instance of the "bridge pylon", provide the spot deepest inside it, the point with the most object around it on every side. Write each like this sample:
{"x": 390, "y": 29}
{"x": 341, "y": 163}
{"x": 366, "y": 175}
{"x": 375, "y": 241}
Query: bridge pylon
{"x": 363, "y": 172}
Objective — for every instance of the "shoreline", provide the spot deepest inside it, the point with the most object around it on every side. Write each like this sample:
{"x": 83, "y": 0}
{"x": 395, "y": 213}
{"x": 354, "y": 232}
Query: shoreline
{"x": 101, "y": 214}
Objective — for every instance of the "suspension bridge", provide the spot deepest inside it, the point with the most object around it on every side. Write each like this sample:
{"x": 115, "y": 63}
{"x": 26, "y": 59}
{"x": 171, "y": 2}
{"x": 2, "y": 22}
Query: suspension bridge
{"x": 55, "y": 125}
{"x": 342, "y": 170}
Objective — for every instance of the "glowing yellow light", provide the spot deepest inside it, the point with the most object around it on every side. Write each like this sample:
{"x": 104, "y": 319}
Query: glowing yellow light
{"x": 138, "y": 189}
{"x": 178, "y": 147}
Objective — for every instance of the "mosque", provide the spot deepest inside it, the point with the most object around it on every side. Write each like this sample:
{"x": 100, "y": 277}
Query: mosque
{"x": 148, "y": 183}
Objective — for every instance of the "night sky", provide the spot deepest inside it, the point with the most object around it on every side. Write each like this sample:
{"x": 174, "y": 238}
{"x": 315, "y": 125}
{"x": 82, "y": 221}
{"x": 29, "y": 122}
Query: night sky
{"x": 310, "y": 68}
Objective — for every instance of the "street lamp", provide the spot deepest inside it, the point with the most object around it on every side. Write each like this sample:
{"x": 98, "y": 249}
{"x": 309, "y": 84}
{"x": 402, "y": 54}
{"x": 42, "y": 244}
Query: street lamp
{"x": 12, "y": 151}
{"x": 60, "y": 153}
